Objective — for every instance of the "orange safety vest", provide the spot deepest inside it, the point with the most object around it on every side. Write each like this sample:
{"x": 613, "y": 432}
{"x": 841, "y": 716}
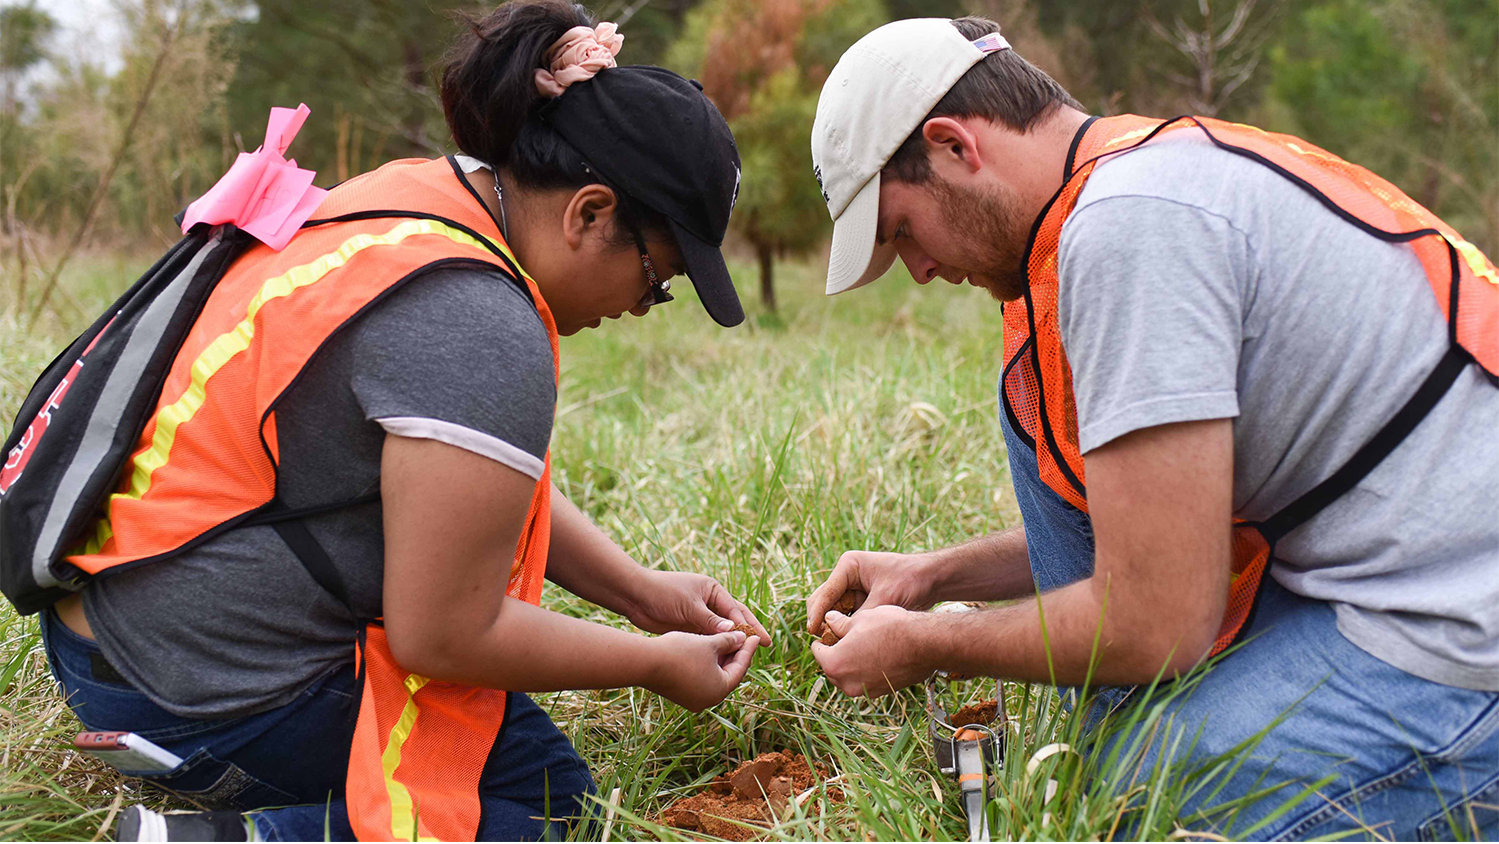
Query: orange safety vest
{"x": 207, "y": 462}
{"x": 1037, "y": 381}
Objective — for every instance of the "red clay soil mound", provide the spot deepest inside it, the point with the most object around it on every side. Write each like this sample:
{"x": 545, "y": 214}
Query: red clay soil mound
{"x": 983, "y": 712}
{"x": 756, "y": 793}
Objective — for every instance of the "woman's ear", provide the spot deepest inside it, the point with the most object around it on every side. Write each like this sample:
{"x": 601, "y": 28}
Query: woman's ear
{"x": 590, "y": 210}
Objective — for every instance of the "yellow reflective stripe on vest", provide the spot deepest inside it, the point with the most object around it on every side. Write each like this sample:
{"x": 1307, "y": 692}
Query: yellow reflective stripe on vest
{"x": 1475, "y": 259}
{"x": 402, "y": 811}
{"x": 1129, "y": 136}
{"x": 234, "y": 342}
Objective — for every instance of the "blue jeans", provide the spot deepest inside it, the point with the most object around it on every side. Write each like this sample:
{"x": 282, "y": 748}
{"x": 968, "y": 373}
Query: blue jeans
{"x": 295, "y": 757}
{"x": 1058, "y": 536}
{"x": 1408, "y": 758}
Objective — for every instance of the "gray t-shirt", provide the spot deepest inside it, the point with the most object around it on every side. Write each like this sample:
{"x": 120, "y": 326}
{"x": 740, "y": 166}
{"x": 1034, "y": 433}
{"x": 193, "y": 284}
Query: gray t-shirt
{"x": 1196, "y": 284}
{"x": 237, "y": 625}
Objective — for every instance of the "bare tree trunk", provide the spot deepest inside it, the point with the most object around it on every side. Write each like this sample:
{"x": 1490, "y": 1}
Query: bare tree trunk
{"x": 1431, "y": 188}
{"x": 767, "y": 277}
{"x": 8, "y": 131}
{"x": 1223, "y": 56}
{"x": 416, "y": 82}
{"x": 169, "y": 38}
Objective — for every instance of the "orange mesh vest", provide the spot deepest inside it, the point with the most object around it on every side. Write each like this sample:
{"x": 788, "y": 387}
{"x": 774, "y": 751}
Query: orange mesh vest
{"x": 1037, "y": 381}
{"x": 206, "y": 463}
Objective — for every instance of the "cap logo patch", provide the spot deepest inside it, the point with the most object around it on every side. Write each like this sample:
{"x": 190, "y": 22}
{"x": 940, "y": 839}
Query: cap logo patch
{"x": 734, "y": 200}
{"x": 817, "y": 172}
{"x": 991, "y": 43}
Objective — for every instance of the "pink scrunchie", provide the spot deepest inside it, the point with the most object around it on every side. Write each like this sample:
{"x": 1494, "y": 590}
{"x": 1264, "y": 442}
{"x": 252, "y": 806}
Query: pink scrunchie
{"x": 578, "y": 55}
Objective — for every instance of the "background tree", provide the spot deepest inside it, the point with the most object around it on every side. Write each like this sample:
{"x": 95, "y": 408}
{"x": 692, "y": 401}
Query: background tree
{"x": 763, "y": 65}
{"x": 365, "y": 67}
{"x": 1409, "y": 88}
{"x": 780, "y": 210}
{"x": 24, "y": 33}
{"x": 1430, "y": 123}
{"x": 1222, "y": 45}
{"x": 370, "y": 69}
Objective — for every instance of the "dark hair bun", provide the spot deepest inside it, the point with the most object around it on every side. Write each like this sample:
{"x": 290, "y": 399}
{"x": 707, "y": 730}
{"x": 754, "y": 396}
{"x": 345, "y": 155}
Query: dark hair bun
{"x": 488, "y": 87}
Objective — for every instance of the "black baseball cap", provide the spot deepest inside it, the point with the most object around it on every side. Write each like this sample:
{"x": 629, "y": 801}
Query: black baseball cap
{"x": 652, "y": 134}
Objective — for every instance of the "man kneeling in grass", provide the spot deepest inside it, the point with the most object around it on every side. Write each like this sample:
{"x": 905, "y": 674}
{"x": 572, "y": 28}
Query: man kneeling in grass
{"x": 1243, "y": 417}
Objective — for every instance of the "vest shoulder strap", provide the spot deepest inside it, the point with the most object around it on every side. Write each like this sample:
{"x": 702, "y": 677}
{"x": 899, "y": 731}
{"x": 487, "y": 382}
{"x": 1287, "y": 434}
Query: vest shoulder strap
{"x": 1389, "y": 437}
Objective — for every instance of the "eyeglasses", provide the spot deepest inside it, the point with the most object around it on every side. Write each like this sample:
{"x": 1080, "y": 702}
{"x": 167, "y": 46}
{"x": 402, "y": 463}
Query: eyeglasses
{"x": 658, "y": 294}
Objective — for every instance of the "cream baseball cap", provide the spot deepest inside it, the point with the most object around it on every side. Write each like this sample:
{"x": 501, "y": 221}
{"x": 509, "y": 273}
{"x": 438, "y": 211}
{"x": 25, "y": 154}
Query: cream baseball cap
{"x": 882, "y": 88}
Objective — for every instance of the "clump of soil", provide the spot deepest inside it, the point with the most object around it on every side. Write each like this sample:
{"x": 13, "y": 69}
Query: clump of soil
{"x": 747, "y": 630}
{"x": 757, "y": 792}
{"x": 983, "y": 712}
{"x": 846, "y": 605}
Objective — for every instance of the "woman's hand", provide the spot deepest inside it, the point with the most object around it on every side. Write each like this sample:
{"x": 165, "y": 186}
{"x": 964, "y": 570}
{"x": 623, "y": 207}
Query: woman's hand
{"x": 696, "y": 672}
{"x": 668, "y": 601}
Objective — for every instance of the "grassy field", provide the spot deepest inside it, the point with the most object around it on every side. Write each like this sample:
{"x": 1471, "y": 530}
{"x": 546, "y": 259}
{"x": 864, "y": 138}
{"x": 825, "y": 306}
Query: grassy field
{"x": 757, "y": 455}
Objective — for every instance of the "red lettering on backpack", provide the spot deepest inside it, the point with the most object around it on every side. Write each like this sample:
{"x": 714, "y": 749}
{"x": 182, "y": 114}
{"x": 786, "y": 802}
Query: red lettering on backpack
{"x": 15, "y": 461}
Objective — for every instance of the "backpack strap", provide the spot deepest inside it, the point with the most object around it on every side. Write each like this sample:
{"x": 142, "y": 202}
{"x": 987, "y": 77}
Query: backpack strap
{"x": 290, "y": 526}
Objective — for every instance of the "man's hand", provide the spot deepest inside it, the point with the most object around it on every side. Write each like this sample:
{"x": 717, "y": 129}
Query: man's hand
{"x": 879, "y": 651}
{"x": 670, "y": 601}
{"x": 696, "y": 672}
{"x": 875, "y": 579}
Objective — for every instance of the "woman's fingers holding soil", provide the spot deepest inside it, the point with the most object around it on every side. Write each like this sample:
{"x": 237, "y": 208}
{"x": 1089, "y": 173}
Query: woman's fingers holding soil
{"x": 752, "y": 620}
{"x": 730, "y": 642}
{"x": 738, "y": 663}
{"x": 700, "y": 671}
{"x": 727, "y": 605}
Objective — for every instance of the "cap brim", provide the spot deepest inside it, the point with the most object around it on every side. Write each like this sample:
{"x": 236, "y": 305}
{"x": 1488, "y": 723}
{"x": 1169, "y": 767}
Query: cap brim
{"x": 855, "y": 259}
{"x": 710, "y": 275}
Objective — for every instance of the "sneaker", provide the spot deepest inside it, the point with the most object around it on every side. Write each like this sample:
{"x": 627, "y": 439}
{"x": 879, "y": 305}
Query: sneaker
{"x": 138, "y": 823}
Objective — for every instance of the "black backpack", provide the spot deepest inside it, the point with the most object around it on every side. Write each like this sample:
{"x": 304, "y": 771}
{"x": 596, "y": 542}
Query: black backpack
{"x": 80, "y": 423}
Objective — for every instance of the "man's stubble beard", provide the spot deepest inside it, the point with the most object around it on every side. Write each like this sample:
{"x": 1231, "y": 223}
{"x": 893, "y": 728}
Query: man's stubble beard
{"x": 999, "y": 224}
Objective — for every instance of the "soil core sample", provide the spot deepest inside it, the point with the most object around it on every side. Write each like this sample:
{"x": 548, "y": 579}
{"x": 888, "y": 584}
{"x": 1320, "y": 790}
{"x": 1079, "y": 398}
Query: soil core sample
{"x": 983, "y": 712}
{"x": 757, "y": 793}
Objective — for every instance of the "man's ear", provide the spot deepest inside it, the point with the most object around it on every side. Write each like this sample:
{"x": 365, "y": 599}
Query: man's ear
{"x": 591, "y": 208}
{"x": 949, "y": 142}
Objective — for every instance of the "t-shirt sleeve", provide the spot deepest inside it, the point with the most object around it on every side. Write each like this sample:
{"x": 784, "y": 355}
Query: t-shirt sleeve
{"x": 1149, "y": 306}
{"x": 459, "y": 355}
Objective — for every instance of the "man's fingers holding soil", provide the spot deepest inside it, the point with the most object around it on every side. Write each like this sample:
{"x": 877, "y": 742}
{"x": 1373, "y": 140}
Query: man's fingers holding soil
{"x": 838, "y": 623}
{"x": 832, "y": 664}
{"x": 843, "y": 579}
{"x": 874, "y": 654}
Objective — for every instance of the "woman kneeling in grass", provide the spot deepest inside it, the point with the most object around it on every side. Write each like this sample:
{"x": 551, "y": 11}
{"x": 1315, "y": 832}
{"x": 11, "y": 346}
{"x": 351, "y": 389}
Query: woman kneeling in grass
{"x": 343, "y": 665}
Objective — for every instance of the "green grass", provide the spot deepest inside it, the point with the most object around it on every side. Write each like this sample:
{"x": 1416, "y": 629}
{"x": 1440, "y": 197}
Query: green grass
{"x": 757, "y": 455}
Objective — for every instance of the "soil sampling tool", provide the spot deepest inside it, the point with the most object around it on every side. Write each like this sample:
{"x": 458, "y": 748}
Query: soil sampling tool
{"x": 967, "y": 750}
